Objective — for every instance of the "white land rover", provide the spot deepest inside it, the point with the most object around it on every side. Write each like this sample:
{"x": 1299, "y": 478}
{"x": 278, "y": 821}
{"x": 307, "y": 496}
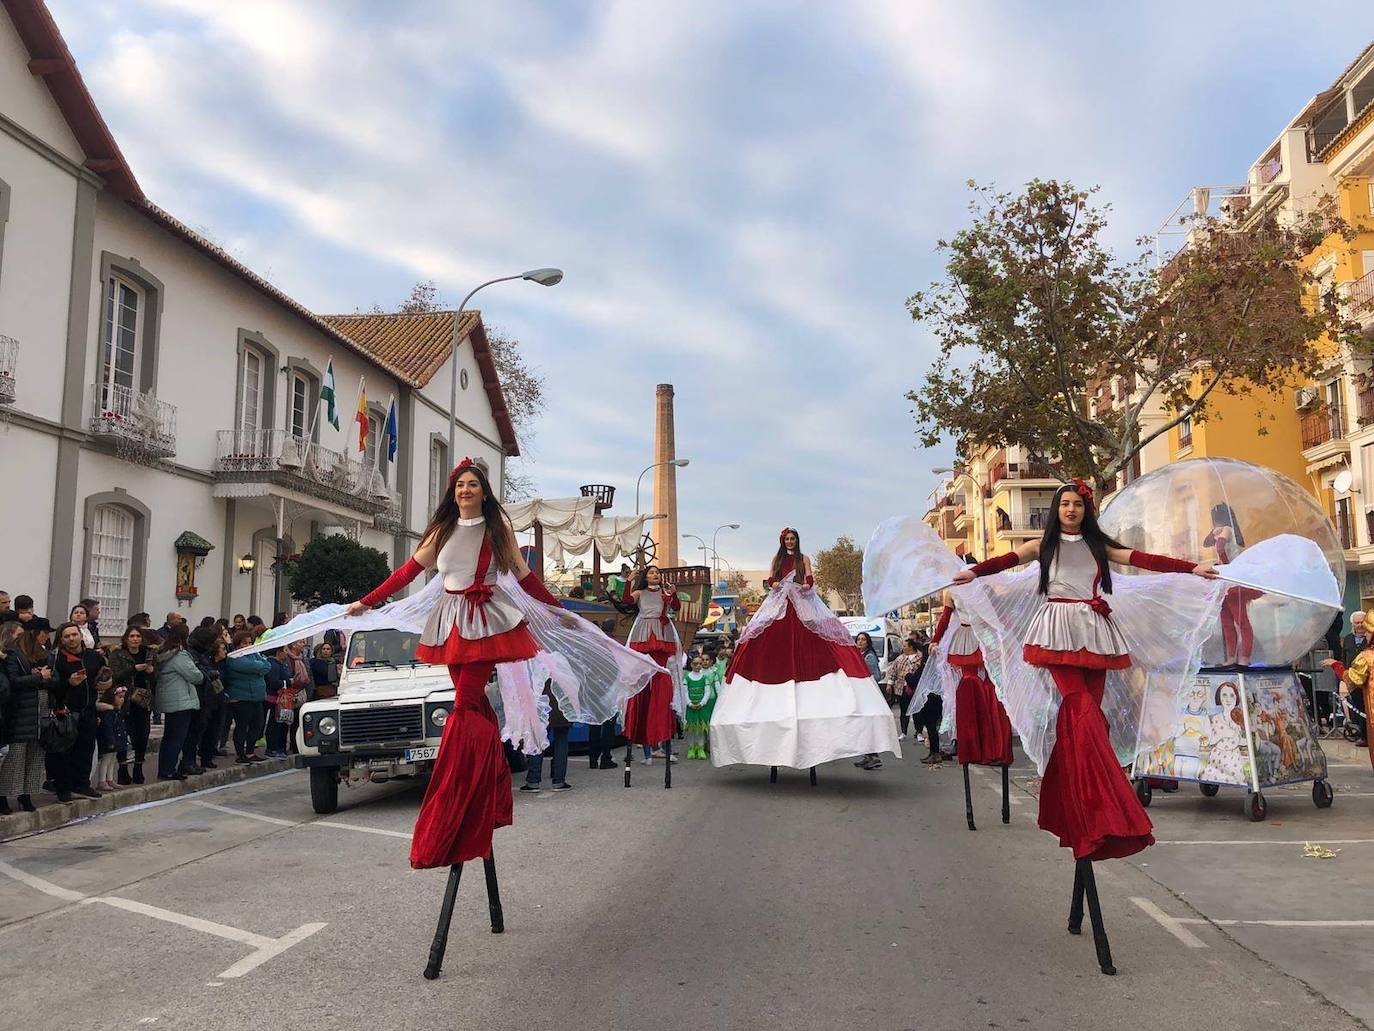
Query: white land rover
{"x": 386, "y": 721}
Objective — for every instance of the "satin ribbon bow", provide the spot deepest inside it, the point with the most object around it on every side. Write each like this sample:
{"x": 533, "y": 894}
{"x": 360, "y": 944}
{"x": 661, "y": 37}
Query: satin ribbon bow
{"x": 477, "y": 596}
{"x": 1099, "y": 605}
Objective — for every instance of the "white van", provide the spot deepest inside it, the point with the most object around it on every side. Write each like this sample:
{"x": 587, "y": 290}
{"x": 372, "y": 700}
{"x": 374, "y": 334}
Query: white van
{"x": 886, "y": 635}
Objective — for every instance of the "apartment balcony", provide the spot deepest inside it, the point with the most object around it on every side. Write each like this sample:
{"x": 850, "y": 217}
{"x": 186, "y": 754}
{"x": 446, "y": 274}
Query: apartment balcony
{"x": 388, "y": 520}
{"x": 9, "y": 361}
{"x": 1359, "y": 301}
{"x": 139, "y": 426}
{"x": 1324, "y": 436}
{"x": 1026, "y": 474}
{"x": 248, "y": 462}
{"x": 1364, "y": 411}
{"x": 1025, "y": 527}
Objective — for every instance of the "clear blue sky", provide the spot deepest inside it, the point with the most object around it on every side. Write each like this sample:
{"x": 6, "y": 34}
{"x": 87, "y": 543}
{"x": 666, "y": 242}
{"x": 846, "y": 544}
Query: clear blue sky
{"x": 742, "y": 193}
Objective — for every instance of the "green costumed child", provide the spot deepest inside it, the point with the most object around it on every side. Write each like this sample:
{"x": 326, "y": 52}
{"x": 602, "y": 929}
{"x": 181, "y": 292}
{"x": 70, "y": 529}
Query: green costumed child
{"x": 701, "y": 694}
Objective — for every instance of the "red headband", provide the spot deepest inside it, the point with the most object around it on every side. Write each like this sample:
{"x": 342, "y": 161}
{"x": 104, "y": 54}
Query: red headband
{"x": 784, "y": 532}
{"x": 466, "y": 463}
{"x": 1082, "y": 489}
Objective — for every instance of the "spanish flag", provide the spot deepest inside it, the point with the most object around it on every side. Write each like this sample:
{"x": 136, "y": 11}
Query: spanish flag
{"x": 360, "y": 417}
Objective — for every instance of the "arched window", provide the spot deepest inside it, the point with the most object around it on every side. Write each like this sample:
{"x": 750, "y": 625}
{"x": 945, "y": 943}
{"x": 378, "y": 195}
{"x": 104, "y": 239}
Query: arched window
{"x": 111, "y": 562}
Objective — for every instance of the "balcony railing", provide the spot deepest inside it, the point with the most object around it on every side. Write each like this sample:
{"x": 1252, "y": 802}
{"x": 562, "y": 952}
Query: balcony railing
{"x": 247, "y": 455}
{"x": 1032, "y": 522}
{"x": 1325, "y": 424}
{"x": 1360, "y": 297}
{"x": 9, "y": 361}
{"x": 389, "y": 518}
{"x": 1365, "y": 405}
{"x": 1023, "y": 471}
{"x": 1267, "y": 171}
{"x": 139, "y": 425}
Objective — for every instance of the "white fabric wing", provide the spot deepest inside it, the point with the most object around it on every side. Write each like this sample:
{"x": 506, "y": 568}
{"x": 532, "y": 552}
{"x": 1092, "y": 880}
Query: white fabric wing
{"x": 1289, "y": 565}
{"x": 905, "y": 560}
{"x": 524, "y": 709}
{"x": 808, "y": 606}
{"x": 937, "y": 677}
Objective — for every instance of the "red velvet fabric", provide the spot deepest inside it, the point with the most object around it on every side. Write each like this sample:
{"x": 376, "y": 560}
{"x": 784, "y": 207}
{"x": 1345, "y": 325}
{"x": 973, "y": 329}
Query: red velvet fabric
{"x": 995, "y": 564}
{"x": 393, "y": 583}
{"x": 788, "y": 651}
{"x": 469, "y": 793}
{"x": 1160, "y": 563}
{"x": 1085, "y": 798}
{"x": 534, "y": 587}
{"x": 946, "y": 614}
{"x": 649, "y": 718}
{"x": 512, "y": 646}
{"x": 980, "y": 722}
{"x": 1082, "y": 658}
{"x": 969, "y": 660}
{"x": 659, "y": 649}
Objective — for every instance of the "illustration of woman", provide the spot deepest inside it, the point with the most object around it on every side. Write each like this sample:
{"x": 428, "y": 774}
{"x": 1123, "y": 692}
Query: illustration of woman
{"x": 1226, "y": 759}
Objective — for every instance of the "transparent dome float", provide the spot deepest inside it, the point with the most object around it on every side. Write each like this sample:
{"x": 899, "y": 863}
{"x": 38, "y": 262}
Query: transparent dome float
{"x": 1243, "y": 720}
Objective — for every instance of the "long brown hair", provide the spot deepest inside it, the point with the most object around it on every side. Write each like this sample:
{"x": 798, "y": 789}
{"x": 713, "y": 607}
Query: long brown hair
{"x": 499, "y": 530}
{"x": 799, "y": 566}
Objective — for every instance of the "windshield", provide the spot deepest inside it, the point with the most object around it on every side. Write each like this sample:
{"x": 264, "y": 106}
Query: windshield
{"x": 381, "y": 648}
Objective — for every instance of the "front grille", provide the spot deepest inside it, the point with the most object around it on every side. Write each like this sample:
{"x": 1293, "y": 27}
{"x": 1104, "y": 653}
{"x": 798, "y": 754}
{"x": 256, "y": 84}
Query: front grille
{"x": 387, "y": 723}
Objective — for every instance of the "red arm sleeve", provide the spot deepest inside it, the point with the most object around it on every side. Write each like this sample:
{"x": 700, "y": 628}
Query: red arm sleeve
{"x": 1160, "y": 563}
{"x": 946, "y": 614}
{"x": 810, "y": 580}
{"x": 675, "y": 603}
{"x": 1338, "y": 667}
{"x": 393, "y": 583}
{"x": 534, "y": 587}
{"x": 995, "y": 564}
{"x": 627, "y": 594}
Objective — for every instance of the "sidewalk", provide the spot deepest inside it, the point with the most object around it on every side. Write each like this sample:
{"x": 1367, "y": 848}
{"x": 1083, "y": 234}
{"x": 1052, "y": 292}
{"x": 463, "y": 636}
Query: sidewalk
{"x": 51, "y": 813}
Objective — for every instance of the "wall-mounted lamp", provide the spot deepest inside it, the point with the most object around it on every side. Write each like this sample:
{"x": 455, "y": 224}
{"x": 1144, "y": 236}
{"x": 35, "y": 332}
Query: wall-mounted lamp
{"x": 247, "y": 564}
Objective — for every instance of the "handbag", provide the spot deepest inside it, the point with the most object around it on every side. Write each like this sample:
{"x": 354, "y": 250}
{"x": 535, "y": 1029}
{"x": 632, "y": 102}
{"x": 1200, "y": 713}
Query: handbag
{"x": 58, "y": 732}
{"x": 287, "y": 716}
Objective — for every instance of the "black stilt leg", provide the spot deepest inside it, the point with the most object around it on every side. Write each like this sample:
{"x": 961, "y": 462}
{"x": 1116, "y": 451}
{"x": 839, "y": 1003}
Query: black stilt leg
{"x": 968, "y": 800}
{"x": 1104, "y": 948}
{"x": 668, "y": 763}
{"x": 1006, "y": 794}
{"x": 813, "y": 776}
{"x": 1076, "y": 907}
{"x": 440, "y": 943}
{"x": 498, "y": 916}
{"x": 772, "y": 775}
{"x": 629, "y": 759}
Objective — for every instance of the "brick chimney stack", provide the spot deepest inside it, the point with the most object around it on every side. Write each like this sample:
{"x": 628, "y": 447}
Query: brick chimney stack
{"x": 665, "y": 479}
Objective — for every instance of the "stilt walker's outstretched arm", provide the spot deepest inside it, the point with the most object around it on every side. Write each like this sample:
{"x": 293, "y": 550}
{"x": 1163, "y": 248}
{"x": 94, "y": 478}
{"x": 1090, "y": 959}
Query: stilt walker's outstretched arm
{"x": 440, "y": 943}
{"x": 498, "y": 916}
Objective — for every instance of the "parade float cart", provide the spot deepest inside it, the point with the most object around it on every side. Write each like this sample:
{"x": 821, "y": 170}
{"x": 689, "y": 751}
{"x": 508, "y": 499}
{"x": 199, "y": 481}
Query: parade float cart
{"x": 1241, "y": 721}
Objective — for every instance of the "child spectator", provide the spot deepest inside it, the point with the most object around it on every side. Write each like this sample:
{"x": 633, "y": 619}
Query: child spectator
{"x": 112, "y": 735}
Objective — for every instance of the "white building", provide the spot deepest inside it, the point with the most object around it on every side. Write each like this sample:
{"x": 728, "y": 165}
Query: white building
{"x": 150, "y": 384}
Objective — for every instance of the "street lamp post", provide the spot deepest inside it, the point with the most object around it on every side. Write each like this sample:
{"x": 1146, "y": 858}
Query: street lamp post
{"x": 715, "y": 552}
{"x": 542, "y": 276}
{"x": 681, "y": 463}
{"x": 982, "y": 501}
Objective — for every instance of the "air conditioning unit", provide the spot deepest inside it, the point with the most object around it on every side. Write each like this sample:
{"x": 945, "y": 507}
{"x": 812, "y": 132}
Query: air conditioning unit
{"x": 1305, "y": 398}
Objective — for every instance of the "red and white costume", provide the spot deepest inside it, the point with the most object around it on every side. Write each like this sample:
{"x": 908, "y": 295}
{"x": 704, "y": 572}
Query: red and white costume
{"x": 981, "y": 726}
{"x": 649, "y": 716}
{"x": 797, "y": 692}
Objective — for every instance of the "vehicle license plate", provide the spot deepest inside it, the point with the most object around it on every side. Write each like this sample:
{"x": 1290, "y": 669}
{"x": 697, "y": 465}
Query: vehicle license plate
{"x": 419, "y": 754}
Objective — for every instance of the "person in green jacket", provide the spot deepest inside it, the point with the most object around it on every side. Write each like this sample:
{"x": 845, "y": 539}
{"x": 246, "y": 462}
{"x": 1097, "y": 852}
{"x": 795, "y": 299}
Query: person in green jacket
{"x": 700, "y": 687}
{"x": 176, "y": 698}
{"x": 245, "y": 689}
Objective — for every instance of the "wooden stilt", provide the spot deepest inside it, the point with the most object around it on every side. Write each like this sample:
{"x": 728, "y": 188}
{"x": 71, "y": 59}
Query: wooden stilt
{"x": 668, "y": 763}
{"x": 1104, "y": 948}
{"x": 629, "y": 760}
{"x": 968, "y": 800}
{"x": 772, "y": 775}
{"x": 1006, "y": 794}
{"x": 1076, "y": 906}
{"x": 440, "y": 943}
{"x": 498, "y": 916}
{"x": 813, "y": 776}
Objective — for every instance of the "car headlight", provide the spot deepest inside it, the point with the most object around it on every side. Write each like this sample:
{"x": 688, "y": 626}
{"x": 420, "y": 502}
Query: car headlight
{"x": 439, "y": 715}
{"x": 328, "y": 726}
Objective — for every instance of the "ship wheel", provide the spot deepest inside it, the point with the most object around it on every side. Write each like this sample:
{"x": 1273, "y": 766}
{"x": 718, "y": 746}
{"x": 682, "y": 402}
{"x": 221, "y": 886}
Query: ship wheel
{"x": 646, "y": 551}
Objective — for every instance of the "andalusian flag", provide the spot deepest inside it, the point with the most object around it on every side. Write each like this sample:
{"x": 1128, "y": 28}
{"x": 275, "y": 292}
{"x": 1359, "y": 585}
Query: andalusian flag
{"x": 327, "y": 395}
{"x": 360, "y": 417}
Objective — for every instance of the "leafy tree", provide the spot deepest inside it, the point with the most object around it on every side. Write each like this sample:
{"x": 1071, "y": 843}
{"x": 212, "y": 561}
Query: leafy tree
{"x": 522, "y": 385}
{"x": 839, "y": 570}
{"x": 1033, "y": 308}
{"x": 333, "y": 568}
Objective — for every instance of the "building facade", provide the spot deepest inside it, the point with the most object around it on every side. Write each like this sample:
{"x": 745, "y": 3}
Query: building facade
{"x": 154, "y": 390}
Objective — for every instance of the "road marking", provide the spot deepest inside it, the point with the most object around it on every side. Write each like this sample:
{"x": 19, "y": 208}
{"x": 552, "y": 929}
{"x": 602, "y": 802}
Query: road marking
{"x": 1275, "y": 841}
{"x": 1171, "y": 924}
{"x": 264, "y": 948}
{"x": 337, "y": 824}
{"x": 1276, "y": 923}
{"x": 37, "y": 883}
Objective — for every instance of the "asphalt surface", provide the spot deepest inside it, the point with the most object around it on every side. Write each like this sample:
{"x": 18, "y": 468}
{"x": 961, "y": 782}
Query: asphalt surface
{"x": 726, "y": 902}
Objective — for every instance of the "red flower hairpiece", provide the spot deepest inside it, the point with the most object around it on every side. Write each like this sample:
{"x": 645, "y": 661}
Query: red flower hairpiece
{"x": 785, "y": 531}
{"x": 1084, "y": 491}
{"x": 466, "y": 463}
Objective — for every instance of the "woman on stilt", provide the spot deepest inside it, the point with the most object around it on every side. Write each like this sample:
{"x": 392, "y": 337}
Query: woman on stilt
{"x": 1085, "y": 798}
{"x": 649, "y": 719}
{"x": 797, "y": 693}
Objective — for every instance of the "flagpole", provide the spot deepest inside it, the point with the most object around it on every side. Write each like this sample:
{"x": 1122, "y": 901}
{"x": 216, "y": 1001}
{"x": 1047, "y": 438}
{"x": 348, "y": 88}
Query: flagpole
{"x": 314, "y": 419}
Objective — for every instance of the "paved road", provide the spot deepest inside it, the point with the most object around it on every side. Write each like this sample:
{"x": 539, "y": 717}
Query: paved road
{"x": 724, "y": 903}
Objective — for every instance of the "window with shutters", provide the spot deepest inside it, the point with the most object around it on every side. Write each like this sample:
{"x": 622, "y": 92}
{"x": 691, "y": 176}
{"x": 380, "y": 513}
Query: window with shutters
{"x": 112, "y": 558}
{"x": 120, "y": 331}
{"x": 438, "y": 471}
{"x": 250, "y": 393}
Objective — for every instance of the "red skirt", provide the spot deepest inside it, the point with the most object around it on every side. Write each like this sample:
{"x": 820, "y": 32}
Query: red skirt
{"x": 971, "y": 660}
{"x": 980, "y": 722}
{"x": 1035, "y": 655}
{"x": 509, "y": 646}
{"x": 1086, "y": 800}
{"x": 469, "y": 792}
{"x": 788, "y": 651}
{"x": 649, "y": 718}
